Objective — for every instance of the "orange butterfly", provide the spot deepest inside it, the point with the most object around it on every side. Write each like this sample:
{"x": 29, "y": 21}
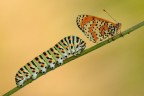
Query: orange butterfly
{"x": 97, "y": 29}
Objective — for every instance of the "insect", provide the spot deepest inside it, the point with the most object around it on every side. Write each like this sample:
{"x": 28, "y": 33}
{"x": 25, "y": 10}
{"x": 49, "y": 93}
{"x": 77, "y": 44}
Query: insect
{"x": 97, "y": 29}
{"x": 70, "y": 45}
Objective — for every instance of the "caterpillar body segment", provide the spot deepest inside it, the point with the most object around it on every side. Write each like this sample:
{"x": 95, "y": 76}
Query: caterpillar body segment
{"x": 57, "y": 55}
{"x": 49, "y": 59}
{"x": 33, "y": 69}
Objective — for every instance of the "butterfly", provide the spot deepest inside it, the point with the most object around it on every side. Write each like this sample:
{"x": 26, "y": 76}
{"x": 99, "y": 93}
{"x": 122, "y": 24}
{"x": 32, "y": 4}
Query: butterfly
{"x": 97, "y": 29}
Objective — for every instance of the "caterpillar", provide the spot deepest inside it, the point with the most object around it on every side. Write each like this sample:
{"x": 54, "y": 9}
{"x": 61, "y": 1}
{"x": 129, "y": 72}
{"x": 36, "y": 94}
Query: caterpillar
{"x": 97, "y": 29}
{"x": 70, "y": 45}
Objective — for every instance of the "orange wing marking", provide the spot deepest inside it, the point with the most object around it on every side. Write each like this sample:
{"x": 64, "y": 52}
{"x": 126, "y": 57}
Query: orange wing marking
{"x": 86, "y": 20}
{"x": 91, "y": 31}
{"x": 103, "y": 29}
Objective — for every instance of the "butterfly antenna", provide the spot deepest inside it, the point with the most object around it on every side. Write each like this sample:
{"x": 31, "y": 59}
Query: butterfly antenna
{"x": 109, "y": 14}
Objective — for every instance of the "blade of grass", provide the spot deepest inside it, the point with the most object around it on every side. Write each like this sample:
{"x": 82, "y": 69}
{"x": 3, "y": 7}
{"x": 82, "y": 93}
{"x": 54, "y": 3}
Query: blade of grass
{"x": 83, "y": 53}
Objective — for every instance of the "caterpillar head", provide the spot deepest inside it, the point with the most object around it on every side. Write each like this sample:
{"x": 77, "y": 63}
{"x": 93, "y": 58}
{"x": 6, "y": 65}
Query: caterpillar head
{"x": 19, "y": 81}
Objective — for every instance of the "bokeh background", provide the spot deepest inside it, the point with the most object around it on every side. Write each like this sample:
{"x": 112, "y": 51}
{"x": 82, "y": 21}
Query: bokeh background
{"x": 29, "y": 27}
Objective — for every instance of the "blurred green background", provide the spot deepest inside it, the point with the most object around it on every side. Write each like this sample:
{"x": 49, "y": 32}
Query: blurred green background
{"x": 29, "y": 27}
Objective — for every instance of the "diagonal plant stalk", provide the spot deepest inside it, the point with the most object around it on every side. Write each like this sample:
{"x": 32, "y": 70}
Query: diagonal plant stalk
{"x": 83, "y": 53}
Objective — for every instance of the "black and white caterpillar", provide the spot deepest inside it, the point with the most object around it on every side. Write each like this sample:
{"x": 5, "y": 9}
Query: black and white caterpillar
{"x": 70, "y": 45}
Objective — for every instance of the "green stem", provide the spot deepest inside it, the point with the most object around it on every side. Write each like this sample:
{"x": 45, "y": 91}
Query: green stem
{"x": 83, "y": 53}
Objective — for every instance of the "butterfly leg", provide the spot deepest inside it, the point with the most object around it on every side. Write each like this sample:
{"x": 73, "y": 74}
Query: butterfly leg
{"x": 121, "y": 34}
{"x": 112, "y": 36}
{"x": 108, "y": 37}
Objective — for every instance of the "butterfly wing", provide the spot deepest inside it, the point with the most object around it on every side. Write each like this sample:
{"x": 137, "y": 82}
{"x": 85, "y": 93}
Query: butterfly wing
{"x": 96, "y": 29}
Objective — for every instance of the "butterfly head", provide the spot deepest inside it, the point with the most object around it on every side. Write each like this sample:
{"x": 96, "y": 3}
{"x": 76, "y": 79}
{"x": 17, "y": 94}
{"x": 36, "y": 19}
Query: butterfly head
{"x": 118, "y": 26}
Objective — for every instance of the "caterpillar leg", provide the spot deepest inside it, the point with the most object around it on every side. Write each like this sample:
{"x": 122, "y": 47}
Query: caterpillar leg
{"x": 34, "y": 76}
{"x": 52, "y": 66}
{"x": 59, "y": 61}
{"x": 64, "y": 56}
